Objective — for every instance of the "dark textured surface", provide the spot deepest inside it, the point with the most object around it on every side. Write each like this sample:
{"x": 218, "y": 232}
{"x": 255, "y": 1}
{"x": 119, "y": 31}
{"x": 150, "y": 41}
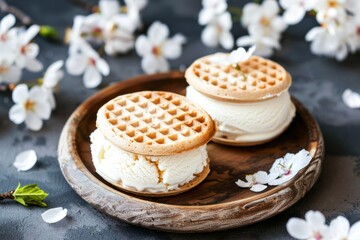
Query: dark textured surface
{"x": 317, "y": 82}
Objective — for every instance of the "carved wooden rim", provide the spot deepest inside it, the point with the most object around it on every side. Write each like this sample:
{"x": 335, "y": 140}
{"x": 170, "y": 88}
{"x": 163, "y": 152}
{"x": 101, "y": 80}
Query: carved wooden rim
{"x": 175, "y": 218}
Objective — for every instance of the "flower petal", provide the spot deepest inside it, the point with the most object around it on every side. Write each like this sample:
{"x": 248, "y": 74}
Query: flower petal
{"x": 206, "y": 15}
{"x": 17, "y": 114}
{"x": 226, "y": 40}
{"x": 224, "y": 21}
{"x": 103, "y": 66}
{"x": 32, "y": 50}
{"x": 54, "y": 215}
{"x": 151, "y": 64}
{"x": 171, "y": 49}
{"x": 271, "y": 8}
{"x": 288, "y": 3}
{"x": 24, "y": 161}
{"x": 261, "y": 177}
{"x": 300, "y": 160}
{"x": 351, "y": 99}
{"x": 51, "y": 80}
{"x": 43, "y": 109}
{"x": 109, "y": 8}
{"x": 29, "y": 34}
{"x": 37, "y": 94}
{"x": 50, "y": 97}
{"x": 55, "y": 66}
{"x": 298, "y": 228}
{"x": 158, "y": 33}
{"x": 76, "y": 64}
{"x": 242, "y": 184}
{"x": 258, "y": 188}
{"x": 244, "y": 41}
{"x": 92, "y": 77}
{"x": 315, "y": 219}
{"x": 294, "y": 15}
{"x": 33, "y": 122}
{"x": 209, "y": 36}
{"x": 7, "y": 22}
{"x": 20, "y": 93}
{"x": 179, "y": 38}
{"x": 143, "y": 46}
{"x": 13, "y": 75}
{"x": 33, "y": 65}
{"x": 354, "y": 231}
{"x": 250, "y": 13}
{"x": 339, "y": 228}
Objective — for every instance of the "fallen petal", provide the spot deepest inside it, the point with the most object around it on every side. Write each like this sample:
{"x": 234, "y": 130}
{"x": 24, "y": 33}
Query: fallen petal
{"x": 25, "y": 160}
{"x": 351, "y": 99}
{"x": 54, "y": 215}
{"x": 298, "y": 228}
{"x": 258, "y": 188}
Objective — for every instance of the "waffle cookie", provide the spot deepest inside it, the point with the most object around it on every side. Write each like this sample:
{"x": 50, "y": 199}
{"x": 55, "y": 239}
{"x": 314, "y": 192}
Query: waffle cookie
{"x": 249, "y": 102}
{"x": 152, "y": 143}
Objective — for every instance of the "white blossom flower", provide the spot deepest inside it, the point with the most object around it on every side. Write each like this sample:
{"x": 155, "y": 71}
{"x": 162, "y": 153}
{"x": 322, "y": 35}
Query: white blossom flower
{"x": 329, "y": 10}
{"x": 24, "y": 161}
{"x": 265, "y": 45}
{"x": 155, "y": 48}
{"x": 235, "y": 56}
{"x": 118, "y": 35}
{"x": 351, "y": 99}
{"x": 54, "y": 215}
{"x": 312, "y": 228}
{"x": 288, "y": 166}
{"x": 295, "y": 9}
{"x": 264, "y": 26}
{"x": 211, "y": 10}
{"x": 51, "y": 80}
{"x": 217, "y": 32}
{"x": 339, "y": 229}
{"x": 133, "y": 10}
{"x": 264, "y": 17}
{"x": 256, "y": 182}
{"x": 109, "y": 8}
{"x": 27, "y": 51}
{"x": 334, "y": 39}
{"x": 76, "y": 34}
{"x": 5, "y": 25}
{"x": 86, "y": 61}
{"x": 9, "y": 73}
{"x": 31, "y": 106}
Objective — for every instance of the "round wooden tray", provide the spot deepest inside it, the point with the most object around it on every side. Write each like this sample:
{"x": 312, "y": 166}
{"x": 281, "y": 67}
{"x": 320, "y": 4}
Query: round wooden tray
{"x": 217, "y": 203}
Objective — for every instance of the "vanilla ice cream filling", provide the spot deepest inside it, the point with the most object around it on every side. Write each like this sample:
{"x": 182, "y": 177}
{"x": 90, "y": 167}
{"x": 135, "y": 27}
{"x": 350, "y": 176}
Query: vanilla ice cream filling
{"x": 247, "y": 122}
{"x": 145, "y": 173}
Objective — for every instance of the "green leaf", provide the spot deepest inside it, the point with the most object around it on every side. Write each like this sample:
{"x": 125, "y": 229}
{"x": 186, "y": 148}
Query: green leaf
{"x": 30, "y": 194}
{"x": 47, "y": 31}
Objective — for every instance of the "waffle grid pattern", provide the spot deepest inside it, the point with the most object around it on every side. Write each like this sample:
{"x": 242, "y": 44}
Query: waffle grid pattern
{"x": 260, "y": 74}
{"x": 155, "y": 118}
{"x": 257, "y": 78}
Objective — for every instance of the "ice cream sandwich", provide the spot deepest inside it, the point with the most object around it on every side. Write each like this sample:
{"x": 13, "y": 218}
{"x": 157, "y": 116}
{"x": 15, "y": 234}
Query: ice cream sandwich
{"x": 249, "y": 101}
{"x": 152, "y": 143}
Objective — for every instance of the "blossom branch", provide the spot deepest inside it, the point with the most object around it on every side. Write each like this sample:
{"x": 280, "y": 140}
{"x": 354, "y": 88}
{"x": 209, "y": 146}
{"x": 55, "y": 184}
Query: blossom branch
{"x": 7, "y": 195}
{"x": 85, "y": 5}
{"x": 25, "y": 19}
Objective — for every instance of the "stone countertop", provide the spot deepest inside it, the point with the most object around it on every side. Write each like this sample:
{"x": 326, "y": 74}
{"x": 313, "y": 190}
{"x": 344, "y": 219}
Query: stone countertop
{"x": 317, "y": 82}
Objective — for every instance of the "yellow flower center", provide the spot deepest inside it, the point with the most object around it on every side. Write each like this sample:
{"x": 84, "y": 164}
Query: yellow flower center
{"x": 3, "y": 69}
{"x": 156, "y": 51}
{"x": 30, "y": 105}
{"x": 333, "y": 3}
{"x": 97, "y": 32}
{"x": 265, "y": 21}
{"x": 92, "y": 61}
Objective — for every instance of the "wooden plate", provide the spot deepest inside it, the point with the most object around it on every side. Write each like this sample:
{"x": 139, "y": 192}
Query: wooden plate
{"x": 217, "y": 203}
